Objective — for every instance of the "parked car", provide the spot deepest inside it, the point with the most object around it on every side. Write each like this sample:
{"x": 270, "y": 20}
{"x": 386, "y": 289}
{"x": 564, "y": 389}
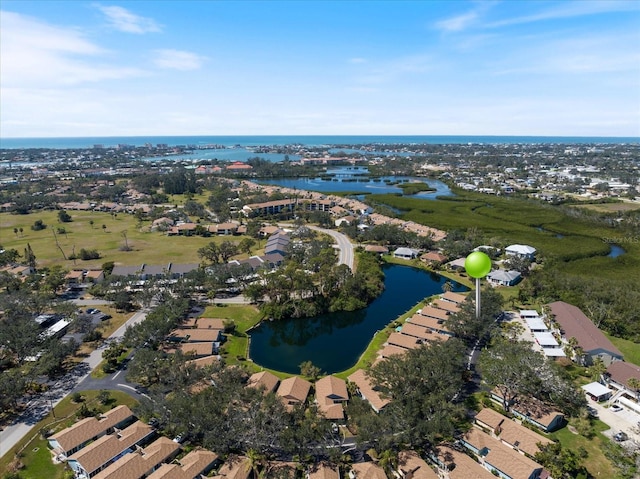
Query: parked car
{"x": 620, "y": 436}
{"x": 616, "y": 408}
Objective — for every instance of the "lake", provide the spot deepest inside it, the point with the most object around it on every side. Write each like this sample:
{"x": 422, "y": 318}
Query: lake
{"x": 335, "y": 341}
{"x": 356, "y": 180}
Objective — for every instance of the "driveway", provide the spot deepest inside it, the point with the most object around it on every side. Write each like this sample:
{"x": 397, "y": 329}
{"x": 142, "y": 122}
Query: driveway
{"x": 622, "y": 421}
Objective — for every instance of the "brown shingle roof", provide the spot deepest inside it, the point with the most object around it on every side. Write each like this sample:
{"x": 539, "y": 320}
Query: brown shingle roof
{"x": 461, "y": 466}
{"x": 391, "y": 350}
{"x": 210, "y": 323}
{"x": 103, "y": 450}
{"x": 502, "y": 457}
{"x": 512, "y": 433}
{"x": 412, "y": 329}
{"x": 235, "y": 467}
{"x": 410, "y": 464}
{"x": 321, "y": 471}
{"x": 136, "y": 465}
{"x": 264, "y": 379}
{"x": 403, "y": 341}
{"x": 194, "y": 463}
{"x": 362, "y": 381}
{"x": 621, "y": 372}
{"x": 196, "y": 335}
{"x": 454, "y": 297}
{"x": 294, "y": 390}
{"x": 576, "y": 324}
{"x": 446, "y": 305}
{"x": 368, "y": 470}
{"x": 431, "y": 312}
{"x": 330, "y": 393}
{"x": 88, "y": 428}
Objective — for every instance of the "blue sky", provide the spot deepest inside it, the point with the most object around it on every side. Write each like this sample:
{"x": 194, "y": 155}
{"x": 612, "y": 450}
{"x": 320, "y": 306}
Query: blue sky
{"x": 75, "y": 68}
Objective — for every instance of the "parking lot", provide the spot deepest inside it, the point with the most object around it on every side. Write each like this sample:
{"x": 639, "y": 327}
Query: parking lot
{"x": 625, "y": 420}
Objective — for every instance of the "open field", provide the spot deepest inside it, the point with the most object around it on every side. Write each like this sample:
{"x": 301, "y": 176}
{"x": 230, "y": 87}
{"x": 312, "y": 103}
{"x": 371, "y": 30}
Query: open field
{"x": 147, "y": 247}
{"x": 609, "y": 207}
{"x": 35, "y": 455}
{"x": 581, "y": 247}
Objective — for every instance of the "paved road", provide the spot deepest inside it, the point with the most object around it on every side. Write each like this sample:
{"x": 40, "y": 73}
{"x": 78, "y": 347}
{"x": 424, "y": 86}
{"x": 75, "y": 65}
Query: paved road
{"x": 345, "y": 246}
{"x": 40, "y": 406}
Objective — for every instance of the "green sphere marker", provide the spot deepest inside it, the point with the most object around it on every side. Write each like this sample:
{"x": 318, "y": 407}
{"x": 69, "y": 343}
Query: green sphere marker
{"x": 477, "y": 264}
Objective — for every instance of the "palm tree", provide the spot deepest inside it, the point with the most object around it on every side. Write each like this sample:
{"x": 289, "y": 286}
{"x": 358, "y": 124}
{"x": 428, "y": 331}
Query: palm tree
{"x": 634, "y": 384}
{"x": 388, "y": 461}
{"x": 256, "y": 460}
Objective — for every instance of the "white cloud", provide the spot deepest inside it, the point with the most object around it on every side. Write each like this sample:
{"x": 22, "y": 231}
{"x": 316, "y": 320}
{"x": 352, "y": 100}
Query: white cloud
{"x": 570, "y": 10}
{"x": 178, "y": 59}
{"x": 125, "y": 21}
{"x": 357, "y": 60}
{"x": 464, "y": 20}
{"x": 36, "y": 54}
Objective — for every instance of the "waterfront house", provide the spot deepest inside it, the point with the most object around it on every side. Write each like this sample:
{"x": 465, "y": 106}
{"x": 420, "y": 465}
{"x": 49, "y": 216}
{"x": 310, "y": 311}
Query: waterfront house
{"x": 502, "y": 277}
{"x": 331, "y": 394}
{"x": 293, "y": 390}
{"x": 264, "y": 380}
{"x": 405, "y": 253}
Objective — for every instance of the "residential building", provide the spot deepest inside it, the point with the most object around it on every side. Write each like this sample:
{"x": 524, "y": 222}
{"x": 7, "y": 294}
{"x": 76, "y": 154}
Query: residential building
{"x": 323, "y": 471}
{"x": 499, "y": 458}
{"x": 75, "y": 437}
{"x": 93, "y": 458}
{"x": 142, "y": 462}
{"x": 235, "y": 467}
{"x": 192, "y": 466}
{"x": 366, "y": 470}
{"x": 502, "y": 277}
{"x": 510, "y": 432}
{"x": 412, "y": 466}
{"x": 574, "y": 323}
{"x": 264, "y": 380}
{"x": 521, "y": 251}
{"x": 367, "y": 390}
{"x": 331, "y": 394}
{"x": 294, "y": 390}
{"x": 454, "y": 464}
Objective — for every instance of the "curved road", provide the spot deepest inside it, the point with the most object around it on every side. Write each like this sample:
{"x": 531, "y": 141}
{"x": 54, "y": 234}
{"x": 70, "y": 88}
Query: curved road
{"x": 40, "y": 406}
{"x": 344, "y": 245}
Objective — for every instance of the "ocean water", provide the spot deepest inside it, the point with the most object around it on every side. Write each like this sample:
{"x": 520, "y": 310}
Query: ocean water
{"x": 311, "y": 140}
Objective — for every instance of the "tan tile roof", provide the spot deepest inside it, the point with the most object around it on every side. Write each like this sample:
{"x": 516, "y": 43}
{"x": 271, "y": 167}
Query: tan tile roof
{"x": 330, "y": 393}
{"x": 91, "y": 427}
{"x": 368, "y": 470}
{"x": 403, "y": 341}
{"x": 321, "y": 471}
{"x": 410, "y": 464}
{"x": 502, "y": 457}
{"x": 194, "y": 463}
{"x": 461, "y": 466}
{"x": 512, "y": 433}
{"x": 454, "y": 297}
{"x": 235, "y": 467}
{"x": 101, "y": 451}
{"x": 136, "y": 465}
{"x": 294, "y": 389}
{"x": 264, "y": 379}
{"x": 362, "y": 381}
{"x": 281, "y": 468}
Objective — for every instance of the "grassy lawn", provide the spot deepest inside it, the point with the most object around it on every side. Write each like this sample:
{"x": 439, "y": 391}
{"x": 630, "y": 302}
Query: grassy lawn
{"x": 629, "y": 349}
{"x": 244, "y": 317}
{"x": 35, "y": 455}
{"x": 147, "y": 247}
{"x": 596, "y": 462}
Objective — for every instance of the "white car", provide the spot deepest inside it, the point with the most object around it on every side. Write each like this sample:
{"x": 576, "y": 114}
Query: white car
{"x": 616, "y": 408}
